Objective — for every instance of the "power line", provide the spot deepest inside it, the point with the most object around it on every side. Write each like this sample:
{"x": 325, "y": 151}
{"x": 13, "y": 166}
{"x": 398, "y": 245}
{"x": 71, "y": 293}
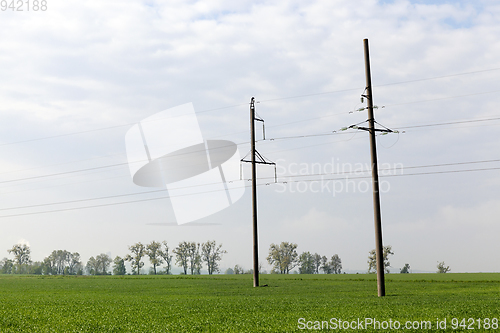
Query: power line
{"x": 260, "y": 178}
{"x": 385, "y": 169}
{"x": 398, "y": 127}
{"x": 379, "y": 85}
{"x": 308, "y": 95}
{"x": 452, "y": 123}
{"x": 82, "y": 200}
{"x": 111, "y": 165}
{"x": 351, "y": 111}
{"x": 62, "y": 173}
{"x": 269, "y": 100}
{"x": 271, "y": 139}
{"x": 109, "y": 204}
{"x": 444, "y": 98}
{"x": 109, "y": 127}
{"x": 392, "y": 175}
{"x": 438, "y": 77}
{"x": 285, "y": 182}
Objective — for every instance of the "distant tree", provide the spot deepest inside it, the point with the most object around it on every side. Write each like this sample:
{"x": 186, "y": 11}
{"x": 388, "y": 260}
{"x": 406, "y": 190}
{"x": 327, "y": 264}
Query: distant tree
{"x": 74, "y": 263}
{"x": 61, "y": 260}
{"x": 194, "y": 258}
{"x": 35, "y": 268}
{"x": 372, "y": 259}
{"x": 21, "y": 257}
{"x": 138, "y": 251}
{"x": 119, "y": 266}
{"x": 442, "y": 268}
{"x": 283, "y": 257}
{"x": 336, "y": 264}
{"x": 48, "y": 266}
{"x": 325, "y": 265}
{"x": 212, "y": 254}
{"x": 187, "y": 255}
{"x": 6, "y": 266}
{"x": 167, "y": 258}
{"x": 238, "y": 269}
{"x": 56, "y": 262}
{"x": 405, "y": 270}
{"x": 229, "y": 271}
{"x": 306, "y": 263}
{"x": 103, "y": 262}
{"x": 317, "y": 263}
{"x": 182, "y": 255}
{"x": 92, "y": 266}
{"x": 155, "y": 254}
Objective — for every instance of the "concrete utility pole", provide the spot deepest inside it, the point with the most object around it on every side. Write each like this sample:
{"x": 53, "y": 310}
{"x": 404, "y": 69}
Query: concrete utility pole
{"x": 379, "y": 248}
{"x": 256, "y": 158}
{"x": 254, "y": 196}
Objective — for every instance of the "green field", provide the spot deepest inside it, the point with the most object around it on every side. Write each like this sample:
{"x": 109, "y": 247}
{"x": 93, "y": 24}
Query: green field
{"x": 229, "y": 303}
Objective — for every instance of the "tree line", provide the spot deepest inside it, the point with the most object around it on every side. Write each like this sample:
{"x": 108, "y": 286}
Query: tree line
{"x": 284, "y": 258}
{"x": 190, "y": 256}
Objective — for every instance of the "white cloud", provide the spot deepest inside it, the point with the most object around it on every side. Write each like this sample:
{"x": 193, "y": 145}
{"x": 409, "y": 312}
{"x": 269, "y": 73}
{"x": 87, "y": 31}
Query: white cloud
{"x": 87, "y": 65}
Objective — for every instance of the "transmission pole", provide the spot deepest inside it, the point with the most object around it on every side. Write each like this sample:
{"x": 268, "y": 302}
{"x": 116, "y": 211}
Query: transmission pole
{"x": 254, "y": 196}
{"x": 379, "y": 251}
{"x": 255, "y": 159}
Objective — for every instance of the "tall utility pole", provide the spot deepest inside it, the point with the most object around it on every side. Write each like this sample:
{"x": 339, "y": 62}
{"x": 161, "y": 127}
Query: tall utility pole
{"x": 254, "y": 196}
{"x": 376, "y": 196}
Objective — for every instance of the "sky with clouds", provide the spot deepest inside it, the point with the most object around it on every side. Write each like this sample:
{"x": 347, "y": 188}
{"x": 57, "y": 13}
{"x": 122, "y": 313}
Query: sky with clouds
{"x": 77, "y": 76}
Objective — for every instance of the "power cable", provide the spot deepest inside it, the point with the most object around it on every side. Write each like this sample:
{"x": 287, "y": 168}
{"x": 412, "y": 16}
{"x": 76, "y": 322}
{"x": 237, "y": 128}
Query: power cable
{"x": 451, "y": 123}
{"x": 385, "y": 169}
{"x": 285, "y": 182}
{"x": 271, "y": 139}
{"x": 264, "y": 101}
{"x": 264, "y": 178}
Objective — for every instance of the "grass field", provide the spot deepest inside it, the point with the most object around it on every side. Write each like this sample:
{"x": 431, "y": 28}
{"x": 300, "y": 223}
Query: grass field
{"x": 229, "y": 303}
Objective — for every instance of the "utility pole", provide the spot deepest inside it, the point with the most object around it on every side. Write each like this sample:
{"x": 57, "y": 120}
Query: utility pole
{"x": 255, "y": 159}
{"x": 379, "y": 251}
{"x": 254, "y": 196}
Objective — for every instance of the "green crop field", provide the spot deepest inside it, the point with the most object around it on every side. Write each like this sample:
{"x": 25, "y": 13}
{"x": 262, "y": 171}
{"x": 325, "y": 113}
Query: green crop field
{"x": 229, "y": 303}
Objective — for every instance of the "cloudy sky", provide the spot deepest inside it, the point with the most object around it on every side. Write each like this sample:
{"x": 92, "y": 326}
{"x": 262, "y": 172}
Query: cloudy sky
{"x": 77, "y": 76}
